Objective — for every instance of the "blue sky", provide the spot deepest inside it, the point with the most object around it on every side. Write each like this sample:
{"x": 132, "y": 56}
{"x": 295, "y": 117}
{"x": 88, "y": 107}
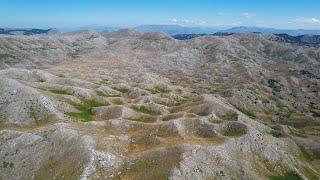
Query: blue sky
{"x": 71, "y": 13}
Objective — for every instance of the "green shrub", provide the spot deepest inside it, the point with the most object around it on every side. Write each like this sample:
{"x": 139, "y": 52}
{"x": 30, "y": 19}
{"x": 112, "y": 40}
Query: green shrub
{"x": 276, "y": 133}
{"x": 5, "y": 56}
{"x": 60, "y": 91}
{"x": 7, "y": 164}
{"x": 42, "y": 80}
{"x": 285, "y": 112}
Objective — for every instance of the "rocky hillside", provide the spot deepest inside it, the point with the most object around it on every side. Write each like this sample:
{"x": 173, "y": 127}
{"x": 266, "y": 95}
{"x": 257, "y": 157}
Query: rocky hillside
{"x": 130, "y": 105}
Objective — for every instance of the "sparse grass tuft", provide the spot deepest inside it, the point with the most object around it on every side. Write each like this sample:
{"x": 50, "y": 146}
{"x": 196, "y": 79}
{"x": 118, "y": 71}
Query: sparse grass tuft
{"x": 286, "y": 176}
{"x": 285, "y": 112}
{"x": 234, "y": 129}
{"x": 60, "y": 91}
{"x": 117, "y": 101}
{"x": 145, "y": 110}
{"x": 273, "y": 98}
{"x": 231, "y": 116}
{"x": 246, "y": 112}
{"x": 297, "y": 132}
{"x": 85, "y": 110}
{"x": 151, "y": 167}
{"x": 100, "y": 93}
{"x": 104, "y": 81}
{"x": 158, "y": 89}
{"x": 61, "y": 75}
{"x": 84, "y": 116}
{"x": 122, "y": 90}
{"x": 304, "y": 154}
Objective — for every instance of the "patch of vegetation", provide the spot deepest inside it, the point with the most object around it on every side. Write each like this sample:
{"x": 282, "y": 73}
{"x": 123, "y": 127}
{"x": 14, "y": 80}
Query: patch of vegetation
{"x": 7, "y": 164}
{"x": 271, "y": 124}
{"x": 286, "y": 176}
{"x": 178, "y": 90}
{"x": 143, "y": 120}
{"x": 5, "y": 56}
{"x": 205, "y": 112}
{"x": 181, "y": 101}
{"x": 84, "y": 116}
{"x": 276, "y": 133}
{"x": 61, "y": 75}
{"x": 285, "y": 112}
{"x": 313, "y": 106}
{"x": 246, "y": 112}
{"x": 151, "y": 167}
{"x": 50, "y": 163}
{"x": 163, "y": 132}
{"x": 85, "y": 109}
{"x": 100, "y": 93}
{"x": 304, "y": 154}
{"x": 310, "y": 174}
{"x": 60, "y": 91}
{"x": 234, "y": 129}
{"x": 230, "y": 116}
{"x": 123, "y": 90}
{"x": 145, "y": 110}
{"x": 315, "y": 114}
{"x": 273, "y": 98}
{"x": 297, "y": 132}
{"x": 117, "y": 101}
{"x": 41, "y": 80}
{"x": 172, "y": 116}
{"x": 104, "y": 81}
{"x": 164, "y": 103}
{"x": 159, "y": 89}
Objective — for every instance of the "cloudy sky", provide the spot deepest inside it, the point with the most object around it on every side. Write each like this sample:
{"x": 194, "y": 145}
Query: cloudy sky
{"x": 63, "y": 13}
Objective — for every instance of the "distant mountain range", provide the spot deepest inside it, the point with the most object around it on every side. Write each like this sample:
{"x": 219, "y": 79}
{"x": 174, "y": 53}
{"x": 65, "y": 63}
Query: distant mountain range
{"x": 291, "y": 32}
{"x": 28, "y": 32}
{"x": 176, "y": 29}
{"x": 301, "y": 39}
{"x": 172, "y": 30}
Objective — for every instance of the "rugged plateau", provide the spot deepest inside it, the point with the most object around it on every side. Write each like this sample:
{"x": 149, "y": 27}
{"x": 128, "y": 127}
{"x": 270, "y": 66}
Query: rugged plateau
{"x": 131, "y": 105}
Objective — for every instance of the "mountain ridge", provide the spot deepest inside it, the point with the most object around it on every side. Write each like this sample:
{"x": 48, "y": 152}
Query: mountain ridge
{"x": 173, "y": 30}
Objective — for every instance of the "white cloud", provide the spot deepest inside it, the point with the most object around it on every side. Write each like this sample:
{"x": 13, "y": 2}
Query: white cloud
{"x": 188, "y": 22}
{"x": 222, "y": 14}
{"x": 248, "y": 15}
{"x": 306, "y": 21}
{"x": 174, "y": 20}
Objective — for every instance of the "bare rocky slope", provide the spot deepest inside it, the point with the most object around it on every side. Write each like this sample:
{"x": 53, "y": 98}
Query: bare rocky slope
{"x": 130, "y": 105}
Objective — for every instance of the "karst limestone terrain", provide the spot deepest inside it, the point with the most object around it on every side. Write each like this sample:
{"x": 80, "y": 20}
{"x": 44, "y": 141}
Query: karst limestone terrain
{"x": 130, "y": 105}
